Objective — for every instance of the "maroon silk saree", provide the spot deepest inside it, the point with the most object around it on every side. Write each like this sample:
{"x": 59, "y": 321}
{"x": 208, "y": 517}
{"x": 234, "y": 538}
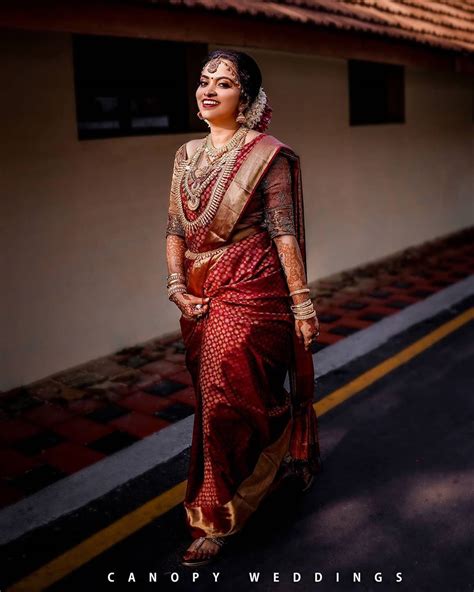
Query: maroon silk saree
{"x": 238, "y": 355}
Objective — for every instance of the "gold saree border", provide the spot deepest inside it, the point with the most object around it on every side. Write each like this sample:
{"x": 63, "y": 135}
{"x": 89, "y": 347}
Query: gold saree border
{"x": 251, "y": 491}
{"x": 242, "y": 188}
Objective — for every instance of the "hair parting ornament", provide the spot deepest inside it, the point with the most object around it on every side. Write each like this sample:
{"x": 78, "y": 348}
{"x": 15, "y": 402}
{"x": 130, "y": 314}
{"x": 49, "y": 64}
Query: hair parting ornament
{"x": 258, "y": 114}
{"x": 214, "y": 64}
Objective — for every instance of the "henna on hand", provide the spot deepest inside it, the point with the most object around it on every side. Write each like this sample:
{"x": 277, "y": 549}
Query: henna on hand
{"x": 187, "y": 305}
{"x": 292, "y": 264}
{"x": 175, "y": 249}
{"x": 307, "y": 330}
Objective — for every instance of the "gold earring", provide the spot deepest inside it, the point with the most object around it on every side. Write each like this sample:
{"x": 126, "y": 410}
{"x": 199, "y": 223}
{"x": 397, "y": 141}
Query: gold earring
{"x": 241, "y": 117}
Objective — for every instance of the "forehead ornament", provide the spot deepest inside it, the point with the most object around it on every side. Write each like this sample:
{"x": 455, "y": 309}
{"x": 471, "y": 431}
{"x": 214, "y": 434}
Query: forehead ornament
{"x": 213, "y": 65}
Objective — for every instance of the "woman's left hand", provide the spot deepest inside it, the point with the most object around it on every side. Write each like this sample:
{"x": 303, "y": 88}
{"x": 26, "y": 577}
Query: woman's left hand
{"x": 307, "y": 331}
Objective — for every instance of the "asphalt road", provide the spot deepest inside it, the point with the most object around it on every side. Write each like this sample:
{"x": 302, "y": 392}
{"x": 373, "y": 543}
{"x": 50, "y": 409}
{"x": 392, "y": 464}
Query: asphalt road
{"x": 395, "y": 495}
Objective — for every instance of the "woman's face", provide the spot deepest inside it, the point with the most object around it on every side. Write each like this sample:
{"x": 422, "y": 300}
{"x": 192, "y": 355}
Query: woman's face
{"x": 219, "y": 87}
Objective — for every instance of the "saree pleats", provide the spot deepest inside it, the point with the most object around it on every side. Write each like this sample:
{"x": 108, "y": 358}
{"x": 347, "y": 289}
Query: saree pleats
{"x": 238, "y": 356}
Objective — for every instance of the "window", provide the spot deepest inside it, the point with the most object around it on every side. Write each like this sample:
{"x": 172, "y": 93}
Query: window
{"x": 128, "y": 87}
{"x": 376, "y": 93}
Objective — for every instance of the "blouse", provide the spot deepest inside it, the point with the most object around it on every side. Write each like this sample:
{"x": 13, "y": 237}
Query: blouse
{"x": 271, "y": 206}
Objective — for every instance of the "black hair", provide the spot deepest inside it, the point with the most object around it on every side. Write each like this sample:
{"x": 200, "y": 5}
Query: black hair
{"x": 247, "y": 69}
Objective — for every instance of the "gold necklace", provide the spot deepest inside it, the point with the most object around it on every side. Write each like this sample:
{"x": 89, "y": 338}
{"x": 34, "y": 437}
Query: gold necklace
{"x": 226, "y": 166}
{"x": 197, "y": 179}
{"x": 194, "y": 188}
{"x": 214, "y": 153}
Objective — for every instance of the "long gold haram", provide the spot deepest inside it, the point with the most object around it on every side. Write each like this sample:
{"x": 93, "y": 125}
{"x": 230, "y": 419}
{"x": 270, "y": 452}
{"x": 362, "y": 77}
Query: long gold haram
{"x": 197, "y": 179}
{"x": 194, "y": 185}
{"x": 217, "y": 193}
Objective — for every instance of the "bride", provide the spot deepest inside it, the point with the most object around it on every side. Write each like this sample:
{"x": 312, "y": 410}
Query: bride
{"x": 236, "y": 258}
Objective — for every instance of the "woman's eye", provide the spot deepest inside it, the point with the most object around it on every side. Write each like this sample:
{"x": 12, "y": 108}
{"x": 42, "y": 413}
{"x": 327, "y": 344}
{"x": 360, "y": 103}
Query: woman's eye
{"x": 222, "y": 84}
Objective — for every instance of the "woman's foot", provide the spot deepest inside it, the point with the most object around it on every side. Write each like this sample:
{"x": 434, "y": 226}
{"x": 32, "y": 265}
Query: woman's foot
{"x": 307, "y": 477}
{"x": 202, "y": 551}
{"x": 298, "y": 469}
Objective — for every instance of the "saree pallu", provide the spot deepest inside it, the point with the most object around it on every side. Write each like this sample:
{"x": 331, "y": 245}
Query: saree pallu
{"x": 246, "y": 423}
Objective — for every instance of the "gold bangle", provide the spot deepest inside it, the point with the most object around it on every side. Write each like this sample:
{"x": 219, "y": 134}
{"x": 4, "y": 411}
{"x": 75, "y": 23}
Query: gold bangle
{"x": 175, "y": 274}
{"x": 176, "y": 289}
{"x": 301, "y": 305}
{"x": 301, "y": 317}
{"x": 300, "y": 291}
{"x": 175, "y": 282}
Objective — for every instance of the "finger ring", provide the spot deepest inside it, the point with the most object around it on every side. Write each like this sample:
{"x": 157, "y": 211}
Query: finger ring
{"x": 198, "y": 305}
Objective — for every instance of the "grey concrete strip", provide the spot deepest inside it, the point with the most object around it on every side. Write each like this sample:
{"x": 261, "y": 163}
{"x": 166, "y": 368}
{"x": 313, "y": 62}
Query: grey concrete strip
{"x": 360, "y": 343}
{"x": 77, "y": 490}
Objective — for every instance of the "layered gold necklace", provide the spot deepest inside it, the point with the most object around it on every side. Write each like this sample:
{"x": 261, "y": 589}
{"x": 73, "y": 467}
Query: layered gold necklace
{"x": 196, "y": 179}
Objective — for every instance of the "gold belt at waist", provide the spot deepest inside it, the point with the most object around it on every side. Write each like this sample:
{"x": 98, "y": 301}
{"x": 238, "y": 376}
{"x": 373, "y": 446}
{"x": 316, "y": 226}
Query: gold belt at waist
{"x": 205, "y": 254}
{"x": 239, "y": 236}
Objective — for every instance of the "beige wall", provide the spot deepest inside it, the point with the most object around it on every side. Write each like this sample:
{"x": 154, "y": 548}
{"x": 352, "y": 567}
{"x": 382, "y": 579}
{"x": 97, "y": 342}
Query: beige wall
{"x": 83, "y": 223}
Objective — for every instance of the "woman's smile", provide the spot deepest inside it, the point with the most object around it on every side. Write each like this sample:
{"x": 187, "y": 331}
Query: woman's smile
{"x": 210, "y": 103}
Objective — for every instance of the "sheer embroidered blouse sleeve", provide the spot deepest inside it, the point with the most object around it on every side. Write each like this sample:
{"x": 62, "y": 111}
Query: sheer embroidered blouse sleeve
{"x": 277, "y": 198}
{"x": 174, "y": 225}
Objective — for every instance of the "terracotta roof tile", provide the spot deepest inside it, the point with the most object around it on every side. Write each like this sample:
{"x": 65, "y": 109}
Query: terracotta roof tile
{"x": 447, "y": 24}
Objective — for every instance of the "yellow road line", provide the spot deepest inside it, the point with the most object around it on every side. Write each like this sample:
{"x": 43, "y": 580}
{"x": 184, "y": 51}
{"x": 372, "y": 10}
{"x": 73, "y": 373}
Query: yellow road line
{"x": 106, "y": 538}
{"x": 367, "y": 378}
{"x": 60, "y": 567}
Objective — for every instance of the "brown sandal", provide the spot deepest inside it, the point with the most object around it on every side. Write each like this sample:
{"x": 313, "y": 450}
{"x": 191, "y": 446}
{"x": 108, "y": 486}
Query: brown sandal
{"x": 220, "y": 541}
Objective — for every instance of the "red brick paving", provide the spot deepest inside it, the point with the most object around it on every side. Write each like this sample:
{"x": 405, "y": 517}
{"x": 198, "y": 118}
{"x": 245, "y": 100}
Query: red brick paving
{"x": 12, "y": 430}
{"x": 85, "y": 406}
{"x": 138, "y": 424}
{"x": 164, "y": 368}
{"x": 70, "y": 457}
{"x": 81, "y": 430}
{"x": 184, "y": 377}
{"x": 13, "y": 463}
{"x": 9, "y": 495}
{"x": 185, "y": 396}
{"x": 47, "y": 415}
{"x": 145, "y": 403}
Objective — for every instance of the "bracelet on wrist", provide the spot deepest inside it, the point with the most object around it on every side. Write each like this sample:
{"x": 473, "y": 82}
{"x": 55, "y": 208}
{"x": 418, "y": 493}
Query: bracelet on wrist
{"x": 307, "y": 306}
{"x": 176, "y": 282}
{"x": 176, "y": 289}
{"x": 176, "y": 286}
{"x": 301, "y": 317}
{"x": 301, "y": 305}
{"x": 299, "y": 291}
{"x": 303, "y": 310}
{"x": 175, "y": 277}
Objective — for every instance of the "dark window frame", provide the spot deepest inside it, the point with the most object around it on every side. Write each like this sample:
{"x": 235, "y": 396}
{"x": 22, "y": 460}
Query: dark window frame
{"x": 121, "y": 91}
{"x": 376, "y": 93}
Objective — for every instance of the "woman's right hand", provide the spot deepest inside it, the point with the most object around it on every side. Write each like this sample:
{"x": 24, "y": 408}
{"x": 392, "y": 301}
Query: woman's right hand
{"x": 187, "y": 305}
